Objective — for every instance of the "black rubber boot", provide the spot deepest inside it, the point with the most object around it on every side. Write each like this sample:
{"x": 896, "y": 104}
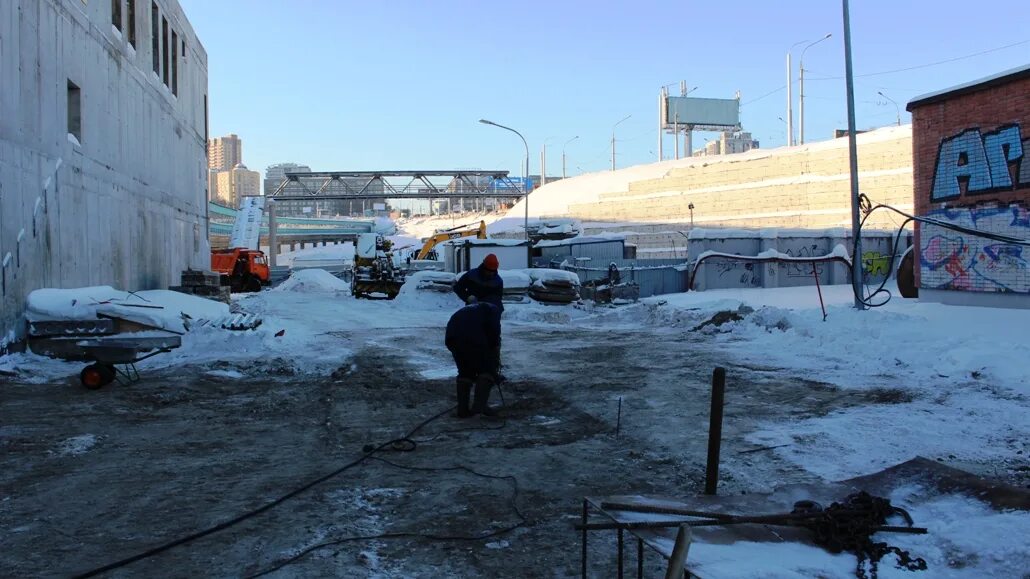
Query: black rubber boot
{"x": 479, "y": 405}
{"x": 464, "y": 392}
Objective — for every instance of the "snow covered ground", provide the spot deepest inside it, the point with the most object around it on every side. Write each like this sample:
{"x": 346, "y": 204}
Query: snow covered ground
{"x": 948, "y": 383}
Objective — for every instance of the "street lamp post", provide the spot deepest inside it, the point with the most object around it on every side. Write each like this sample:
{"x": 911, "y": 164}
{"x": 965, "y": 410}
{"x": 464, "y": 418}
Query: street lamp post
{"x": 801, "y": 87}
{"x": 613, "y": 139}
{"x": 563, "y": 155}
{"x": 790, "y": 96}
{"x": 525, "y": 170}
{"x": 897, "y": 109}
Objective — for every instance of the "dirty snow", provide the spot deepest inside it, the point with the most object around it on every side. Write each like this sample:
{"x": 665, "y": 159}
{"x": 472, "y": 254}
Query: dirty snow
{"x": 77, "y": 445}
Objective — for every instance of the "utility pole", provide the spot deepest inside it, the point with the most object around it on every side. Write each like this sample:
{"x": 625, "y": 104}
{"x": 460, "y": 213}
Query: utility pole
{"x": 856, "y": 232}
{"x": 790, "y": 104}
{"x": 801, "y": 86}
{"x": 543, "y": 164}
{"x": 613, "y": 139}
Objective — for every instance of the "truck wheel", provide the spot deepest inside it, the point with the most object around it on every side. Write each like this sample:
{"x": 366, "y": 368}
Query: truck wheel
{"x": 251, "y": 284}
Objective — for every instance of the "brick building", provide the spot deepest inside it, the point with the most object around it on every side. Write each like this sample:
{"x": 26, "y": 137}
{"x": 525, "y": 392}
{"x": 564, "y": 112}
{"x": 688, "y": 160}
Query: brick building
{"x": 971, "y": 157}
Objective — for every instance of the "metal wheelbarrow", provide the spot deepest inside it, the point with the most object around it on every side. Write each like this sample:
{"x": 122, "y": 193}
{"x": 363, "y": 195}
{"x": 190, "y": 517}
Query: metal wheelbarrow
{"x": 116, "y": 357}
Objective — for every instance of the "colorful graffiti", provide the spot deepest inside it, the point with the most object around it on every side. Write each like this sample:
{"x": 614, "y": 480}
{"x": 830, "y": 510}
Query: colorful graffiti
{"x": 875, "y": 263}
{"x": 982, "y": 162}
{"x": 955, "y": 261}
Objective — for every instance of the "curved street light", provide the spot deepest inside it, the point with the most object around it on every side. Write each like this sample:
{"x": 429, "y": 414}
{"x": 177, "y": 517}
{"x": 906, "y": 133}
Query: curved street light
{"x": 563, "y": 155}
{"x": 525, "y": 171}
{"x": 801, "y": 86}
{"x": 613, "y": 139}
{"x": 897, "y": 109}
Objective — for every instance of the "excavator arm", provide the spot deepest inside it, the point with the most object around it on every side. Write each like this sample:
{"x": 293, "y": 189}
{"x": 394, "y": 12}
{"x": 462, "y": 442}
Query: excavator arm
{"x": 432, "y": 242}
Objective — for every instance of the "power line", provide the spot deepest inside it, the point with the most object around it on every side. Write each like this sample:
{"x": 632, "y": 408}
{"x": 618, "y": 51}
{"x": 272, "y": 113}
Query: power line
{"x": 927, "y": 65}
{"x": 768, "y": 94}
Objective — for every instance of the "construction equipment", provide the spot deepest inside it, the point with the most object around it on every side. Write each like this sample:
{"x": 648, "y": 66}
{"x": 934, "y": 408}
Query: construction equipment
{"x": 428, "y": 251}
{"x": 374, "y": 275}
{"x": 243, "y": 270}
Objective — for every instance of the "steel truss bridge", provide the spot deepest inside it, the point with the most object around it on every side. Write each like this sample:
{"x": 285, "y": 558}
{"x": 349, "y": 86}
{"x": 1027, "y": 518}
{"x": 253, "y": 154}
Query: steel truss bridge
{"x": 359, "y": 185}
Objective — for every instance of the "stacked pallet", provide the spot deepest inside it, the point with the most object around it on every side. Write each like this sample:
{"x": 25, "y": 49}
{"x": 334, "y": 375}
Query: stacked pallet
{"x": 554, "y": 286}
{"x": 204, "y": 284}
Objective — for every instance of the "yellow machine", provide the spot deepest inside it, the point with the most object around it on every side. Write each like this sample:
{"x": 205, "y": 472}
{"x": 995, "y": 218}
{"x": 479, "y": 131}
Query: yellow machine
{"x": 374, "y": 275}
{"x": 428, "y": 252}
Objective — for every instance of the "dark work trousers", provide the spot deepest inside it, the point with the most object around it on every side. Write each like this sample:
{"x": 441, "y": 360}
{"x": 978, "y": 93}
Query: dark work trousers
{"x": 472, "y": 362}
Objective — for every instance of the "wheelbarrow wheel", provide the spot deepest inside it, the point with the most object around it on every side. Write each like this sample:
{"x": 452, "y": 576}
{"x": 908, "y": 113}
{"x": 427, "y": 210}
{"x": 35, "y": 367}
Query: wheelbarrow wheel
{"x": 96, "y": 376}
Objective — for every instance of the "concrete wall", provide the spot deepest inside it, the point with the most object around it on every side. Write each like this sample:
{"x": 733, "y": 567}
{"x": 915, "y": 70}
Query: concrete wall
{"x": 972, "y": 168}
{"x": 725, "y": 273}
{"x": 806, "y": 186}
{"x": 126, "y": 206}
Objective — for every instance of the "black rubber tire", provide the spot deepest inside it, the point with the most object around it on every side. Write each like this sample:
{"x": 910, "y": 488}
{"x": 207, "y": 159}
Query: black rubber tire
{"x": 251, "y": 284}
{"x": 907, "y": 276}
{"x": 94, "y": 376}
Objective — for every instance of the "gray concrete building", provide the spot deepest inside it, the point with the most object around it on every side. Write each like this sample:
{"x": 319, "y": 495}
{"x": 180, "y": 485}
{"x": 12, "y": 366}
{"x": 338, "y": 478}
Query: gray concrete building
{"x": 103, "y": 125}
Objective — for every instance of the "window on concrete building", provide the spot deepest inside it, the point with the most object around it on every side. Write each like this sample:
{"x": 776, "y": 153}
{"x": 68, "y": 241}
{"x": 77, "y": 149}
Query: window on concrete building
{"x": 74, "y": 111}
{"x": 132, "y": 22}
{"x": 164, "y": 49}
{"x": 116, "y": 13}
{"x": 175, "y": 63}
{"x": 155, "y": 42}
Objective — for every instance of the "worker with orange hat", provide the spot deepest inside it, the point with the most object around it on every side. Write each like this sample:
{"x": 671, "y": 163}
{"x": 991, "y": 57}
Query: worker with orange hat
{"x": 482, "y": 284}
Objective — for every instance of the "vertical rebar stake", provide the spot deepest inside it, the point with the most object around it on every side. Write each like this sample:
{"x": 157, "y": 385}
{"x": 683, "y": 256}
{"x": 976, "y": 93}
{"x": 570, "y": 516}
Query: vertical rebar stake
{"x": 584, "y": 562}
{"x": 618, "y": 419}
{"x": 819, "y": 289}
{"x": 715, "y": 430}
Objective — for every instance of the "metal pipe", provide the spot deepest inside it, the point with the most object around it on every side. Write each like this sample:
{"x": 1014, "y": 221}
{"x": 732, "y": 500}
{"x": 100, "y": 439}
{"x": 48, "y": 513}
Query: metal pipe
{"x": 856, "y": 231}
{"x": 715, "y": 430}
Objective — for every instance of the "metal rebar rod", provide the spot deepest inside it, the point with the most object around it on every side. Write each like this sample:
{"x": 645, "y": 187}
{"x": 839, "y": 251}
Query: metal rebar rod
{"x": 640, "y": 559}
{"x": 621, "y": 542}
{"x": 586, "y": 506}
{"x": 664, "y": 510}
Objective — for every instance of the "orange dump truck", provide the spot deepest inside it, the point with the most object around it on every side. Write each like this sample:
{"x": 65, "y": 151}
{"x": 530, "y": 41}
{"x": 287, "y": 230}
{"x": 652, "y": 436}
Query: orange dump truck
{"x": 244, "y": 270}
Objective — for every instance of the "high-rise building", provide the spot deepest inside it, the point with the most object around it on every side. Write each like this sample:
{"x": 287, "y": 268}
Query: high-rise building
{"x": 728, "y": 144}
{"x": 274, "y": 174}
{"x": 104, "y": 106}
{"x": 234, "y": 185}
{"x": 224, "y": 153}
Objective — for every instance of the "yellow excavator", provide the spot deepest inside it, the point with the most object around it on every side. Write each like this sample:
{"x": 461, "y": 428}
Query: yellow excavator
{"x": 428, "y": 251}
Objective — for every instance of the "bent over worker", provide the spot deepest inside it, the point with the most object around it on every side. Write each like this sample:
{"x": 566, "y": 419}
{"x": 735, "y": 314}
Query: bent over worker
{"x": 482, "y": 283}
{"x": 474, "y": 339}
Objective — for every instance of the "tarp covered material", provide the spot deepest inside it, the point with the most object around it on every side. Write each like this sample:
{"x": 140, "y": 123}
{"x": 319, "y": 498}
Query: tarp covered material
{"x": 160, "y": 309}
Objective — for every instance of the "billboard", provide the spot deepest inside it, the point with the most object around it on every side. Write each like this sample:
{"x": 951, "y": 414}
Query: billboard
{"x": 701, "y": 113}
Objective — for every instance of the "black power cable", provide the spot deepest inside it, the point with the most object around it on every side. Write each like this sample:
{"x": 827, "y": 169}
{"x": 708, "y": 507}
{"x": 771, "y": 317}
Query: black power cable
{"x": 404, "y": 441}
{"x": 523, "y": 521}
{"x": 868, "y": 209}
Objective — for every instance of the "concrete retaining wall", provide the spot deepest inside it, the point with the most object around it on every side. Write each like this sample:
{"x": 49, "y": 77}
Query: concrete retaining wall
{"x": 126, "y": 206}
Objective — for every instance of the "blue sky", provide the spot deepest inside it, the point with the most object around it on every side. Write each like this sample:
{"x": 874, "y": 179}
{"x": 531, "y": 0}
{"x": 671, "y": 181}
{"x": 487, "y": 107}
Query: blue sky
{"x": 364, "y": 85}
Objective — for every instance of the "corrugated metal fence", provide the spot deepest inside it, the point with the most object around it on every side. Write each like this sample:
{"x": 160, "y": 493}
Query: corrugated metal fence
{"x": 654, "y": 276}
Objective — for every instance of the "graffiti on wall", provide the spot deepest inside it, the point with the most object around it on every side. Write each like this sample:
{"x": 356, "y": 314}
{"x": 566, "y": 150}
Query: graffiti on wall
{"x": 795, "y": 269}
{"x": 955, "y": 261}
{"x": 985, "y": 162}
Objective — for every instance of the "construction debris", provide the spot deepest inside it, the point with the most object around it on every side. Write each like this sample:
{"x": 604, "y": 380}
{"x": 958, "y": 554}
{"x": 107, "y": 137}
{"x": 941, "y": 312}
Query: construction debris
{"x": 205, "y": 284}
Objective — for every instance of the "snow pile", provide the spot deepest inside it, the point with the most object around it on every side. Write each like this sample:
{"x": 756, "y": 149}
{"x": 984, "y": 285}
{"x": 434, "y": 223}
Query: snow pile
{"x": 413, "y": 294}
{"x": 313, "y": 281}
{"x": 161, "y": 309}
{"x": 515, "y": 279}
{"x": 77, "y": 445}
{"x": 838, "y": 251}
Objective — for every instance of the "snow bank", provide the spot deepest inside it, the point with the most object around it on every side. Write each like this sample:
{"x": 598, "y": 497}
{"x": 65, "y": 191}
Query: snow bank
{"x": 416, "y": 298}
{"x": 515, "y": 279}
{"x": 313, "y": 281}
{"x": 162, "y": 309}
